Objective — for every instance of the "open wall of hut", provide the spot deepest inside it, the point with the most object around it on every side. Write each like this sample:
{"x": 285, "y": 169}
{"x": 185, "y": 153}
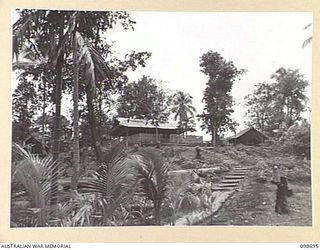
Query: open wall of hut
{"x": 140, "y": 131}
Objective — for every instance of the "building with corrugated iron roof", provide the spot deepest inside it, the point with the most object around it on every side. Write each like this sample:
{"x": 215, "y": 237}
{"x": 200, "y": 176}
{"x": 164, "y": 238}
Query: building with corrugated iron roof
{"x": 141, "y": 131}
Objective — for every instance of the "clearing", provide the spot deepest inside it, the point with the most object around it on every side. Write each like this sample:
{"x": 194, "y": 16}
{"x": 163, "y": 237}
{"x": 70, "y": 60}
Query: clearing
{"x": 249, "y": 200}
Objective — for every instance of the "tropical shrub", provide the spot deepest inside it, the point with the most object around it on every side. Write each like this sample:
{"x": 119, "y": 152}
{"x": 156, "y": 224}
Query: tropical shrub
{"x": 152, "y": 172}
{"x": 113, "y": 184}
{"x": 34, "y": 183}
{"x": 297, "y": 140}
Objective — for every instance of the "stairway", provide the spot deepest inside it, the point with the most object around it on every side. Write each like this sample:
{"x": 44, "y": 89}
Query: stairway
{"x": 220, "y": 193}
{"x": 232, "y": 180}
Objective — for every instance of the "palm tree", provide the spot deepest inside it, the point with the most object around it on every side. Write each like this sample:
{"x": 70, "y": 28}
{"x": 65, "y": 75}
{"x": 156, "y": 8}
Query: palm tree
{"x": 76, "y": 148}
{"x": 177, "y": 192}
{"x": 114, "y": 183}
{"x": 43, "y": 28}
{"x": 94, "y": 68}
{"x": 36, "y": 175}
{"x": 153, "y": 173}
{"x": 84, "y": 55}
{"x": 183, "y": 109}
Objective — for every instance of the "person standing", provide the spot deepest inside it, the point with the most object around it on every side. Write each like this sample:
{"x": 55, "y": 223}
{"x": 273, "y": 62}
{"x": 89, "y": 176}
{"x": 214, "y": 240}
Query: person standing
{"x": 281, "y": 206}
{"x": 276, "y": 174}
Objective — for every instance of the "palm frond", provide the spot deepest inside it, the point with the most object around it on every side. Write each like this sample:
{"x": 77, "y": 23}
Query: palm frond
{"x": 114, "y": 183}
{"x": 308, "y": 26}
{"x": 67, "y": 37}
{"x": 76, "y": 209}
{"x": 307, "y": 42}
{"x": 23, "y": 26}
{"x": 37, "y": 176}
{"x": 23, "y": 29}
{"x": 153, "y": 175}
{"x": 177, "y": 190}
{"x": 95, "y": 65}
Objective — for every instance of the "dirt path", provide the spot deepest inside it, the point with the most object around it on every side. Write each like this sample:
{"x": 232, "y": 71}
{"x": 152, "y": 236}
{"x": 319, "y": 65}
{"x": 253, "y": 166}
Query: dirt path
{"x": 253, "y": 204}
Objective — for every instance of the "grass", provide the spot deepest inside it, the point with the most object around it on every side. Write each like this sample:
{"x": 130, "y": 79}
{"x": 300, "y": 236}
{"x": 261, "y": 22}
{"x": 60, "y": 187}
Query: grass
{"x": 253, "y": 204}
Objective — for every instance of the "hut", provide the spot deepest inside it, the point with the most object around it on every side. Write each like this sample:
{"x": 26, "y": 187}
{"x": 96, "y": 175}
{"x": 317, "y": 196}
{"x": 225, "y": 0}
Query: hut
{"x": 248, "y": 136}
{"x": 141, "y": 131}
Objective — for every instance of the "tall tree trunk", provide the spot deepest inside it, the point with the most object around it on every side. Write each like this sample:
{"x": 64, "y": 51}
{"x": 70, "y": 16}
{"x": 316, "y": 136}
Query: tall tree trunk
{"x": 93, "y": 124}
{"x": 186, "y": 129}
{"x": 57, "y": 116}
{"x": 76, "y": 149}
{"x": 213, "y": 135}
{"x": 44, "y": 105}
{"x": 157, "y": 214}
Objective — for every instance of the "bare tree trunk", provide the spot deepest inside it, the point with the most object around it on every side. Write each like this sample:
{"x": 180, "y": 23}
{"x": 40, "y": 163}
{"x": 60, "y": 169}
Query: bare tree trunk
{"x": 57, "y": 116}
{"x": 213, "y": 135}
{"x": 43, "y": 116}
{"x": 157, "y": 207}
{"x": 76, "y": 149}
{"x": 95, "y": 142}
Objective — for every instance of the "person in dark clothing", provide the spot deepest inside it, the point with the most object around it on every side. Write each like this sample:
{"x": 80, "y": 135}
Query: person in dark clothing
{"x": 281, "y": 206}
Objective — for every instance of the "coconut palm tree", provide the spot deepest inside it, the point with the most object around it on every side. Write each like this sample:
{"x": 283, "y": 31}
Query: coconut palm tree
{"x": 84, "y": 56}
{"x": 43, "y": 28}
{"x": 183, "y": 109}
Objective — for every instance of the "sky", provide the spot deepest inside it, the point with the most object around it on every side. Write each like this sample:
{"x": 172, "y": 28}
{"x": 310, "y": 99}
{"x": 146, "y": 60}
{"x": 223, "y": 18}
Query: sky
{"x": 258, "y": 42}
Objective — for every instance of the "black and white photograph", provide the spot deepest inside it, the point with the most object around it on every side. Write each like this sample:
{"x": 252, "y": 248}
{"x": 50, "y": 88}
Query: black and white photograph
{"x": 154, "y": 118}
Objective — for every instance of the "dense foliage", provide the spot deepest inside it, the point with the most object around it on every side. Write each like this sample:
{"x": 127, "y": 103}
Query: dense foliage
{"x": 66, "y": 168}
{"x": 144, "y": 99}
{"x": 276, "y": 106}
{"x": 129, "y": 188}
{"x": 296, "y": 140}
{"x": 217, "y": 98}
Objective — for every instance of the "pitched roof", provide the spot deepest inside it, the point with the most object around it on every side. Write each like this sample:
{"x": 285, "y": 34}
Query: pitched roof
{"x": 142, "y": 123}
{"x": 242, "y": 132}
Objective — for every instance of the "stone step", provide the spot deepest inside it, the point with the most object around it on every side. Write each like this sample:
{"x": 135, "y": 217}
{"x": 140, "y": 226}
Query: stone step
{"x": 230, "y": 181}
{"x": 238, "y": 173}
{"x": 240, "y": 169}
{"x": 214, "y": 189}
{"x": 239, "y": 177}
{"x": 228, "y": 185}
